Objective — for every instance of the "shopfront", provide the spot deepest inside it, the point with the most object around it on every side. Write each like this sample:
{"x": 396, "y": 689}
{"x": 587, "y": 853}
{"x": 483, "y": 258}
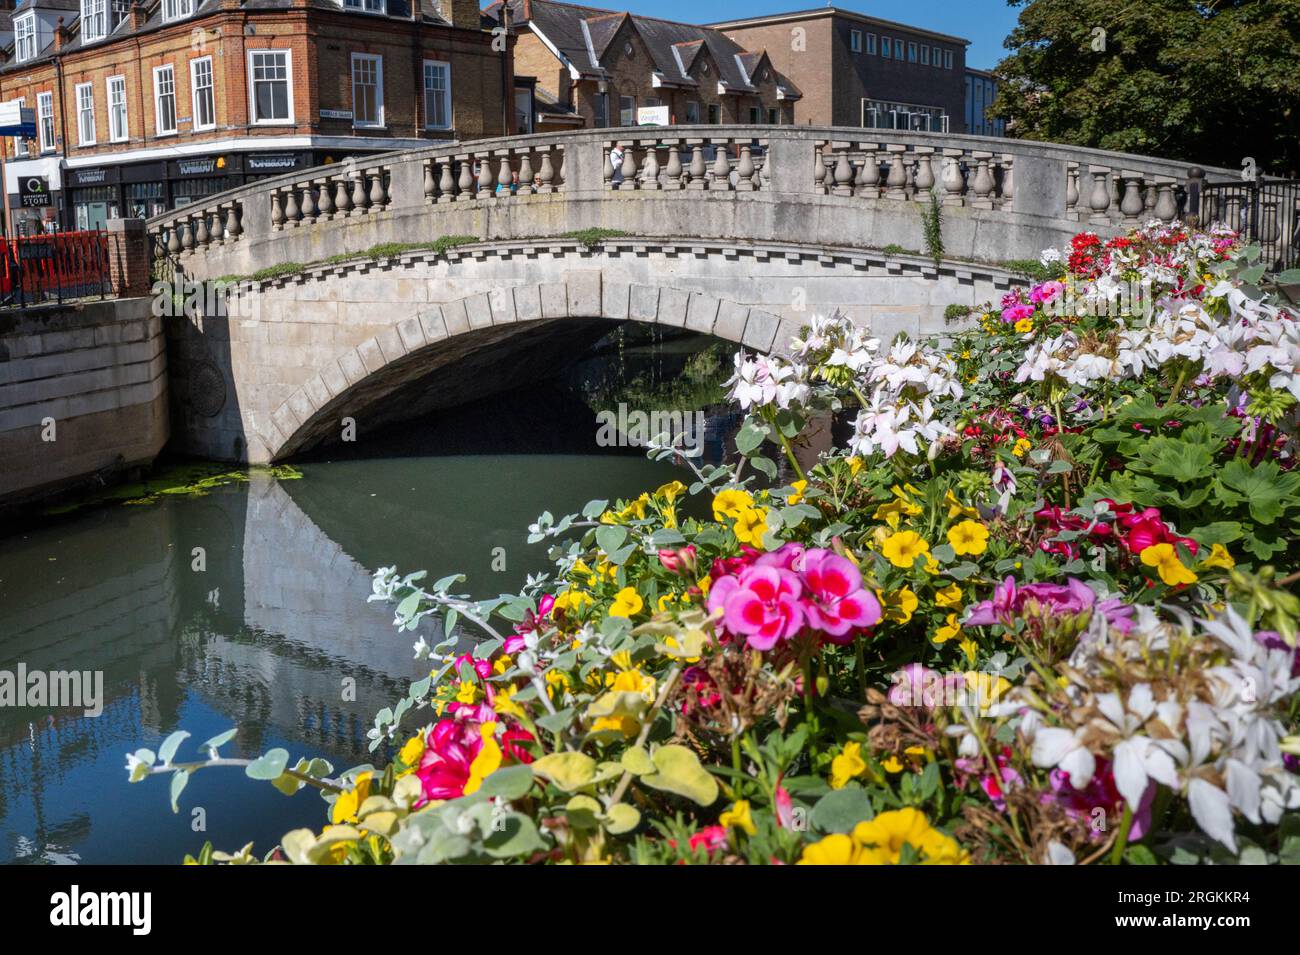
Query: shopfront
{"x": 95, "y": 194}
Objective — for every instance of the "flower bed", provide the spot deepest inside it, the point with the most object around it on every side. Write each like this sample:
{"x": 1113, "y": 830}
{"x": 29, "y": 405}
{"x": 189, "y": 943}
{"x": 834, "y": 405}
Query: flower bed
{"x": 1036, "y": 611}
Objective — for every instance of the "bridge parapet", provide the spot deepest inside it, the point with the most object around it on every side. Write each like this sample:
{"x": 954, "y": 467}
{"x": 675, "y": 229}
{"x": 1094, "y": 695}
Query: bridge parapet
{"x": 1001, "y": 199}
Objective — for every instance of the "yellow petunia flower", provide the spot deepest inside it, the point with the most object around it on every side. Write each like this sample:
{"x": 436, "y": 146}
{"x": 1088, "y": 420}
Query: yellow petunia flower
{"x": 627, "y": 603}
{"x": 346, "y": 805}
{"x": 800, "y": 487}
{"x": 969, "y": 647}
{"x": 504, "y": 702}
{"x": 573, "y": 600}
{"x": 847, "y": 765}
{"x": 950, "y": 596}
{"x": 1218, "y": 557}
{"x": 1024, "y": 326}
{"x": 1164, "y": 558}
{"x": 467, "y": 693}
{"x": 899, "y": 606}
{"x": 892, "y": 764}
{"x": 835, "y": 849}
{"x": 731, "y": 503}
{"x": 412, "y": 750}
{"x": 488, "y": 760}
{"x": 1022, "y": 446}
{"x": 903, "y": 548}
{"x": 957, "y": 509}
{"x": 751, "y": 527}
{"x": 969, "y": 537}
{"x": 671, "y": 491}
{"x": 950, "y": 630}
{"x": 883, "y": 838}
{"x": 738, "y": 817}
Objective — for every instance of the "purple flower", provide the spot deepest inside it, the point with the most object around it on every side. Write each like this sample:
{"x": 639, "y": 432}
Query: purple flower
{"x": 1072, "y": 598}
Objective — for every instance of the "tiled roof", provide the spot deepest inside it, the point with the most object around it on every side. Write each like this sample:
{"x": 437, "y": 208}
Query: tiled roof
{"x": 578, "y": 32}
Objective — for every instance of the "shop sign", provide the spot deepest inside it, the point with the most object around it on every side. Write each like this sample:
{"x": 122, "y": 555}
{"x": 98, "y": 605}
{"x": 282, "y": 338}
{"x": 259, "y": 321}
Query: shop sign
{"x": 271, "y": 162}
{"x": 33, "y": 191}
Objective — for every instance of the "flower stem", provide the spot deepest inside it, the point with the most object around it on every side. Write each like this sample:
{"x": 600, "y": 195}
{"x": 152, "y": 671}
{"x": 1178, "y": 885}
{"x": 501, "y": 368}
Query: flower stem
{"x": 1121, "y": 839}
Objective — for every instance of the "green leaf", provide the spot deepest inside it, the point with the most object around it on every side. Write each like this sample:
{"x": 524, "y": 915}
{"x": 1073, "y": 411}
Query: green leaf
{"x": 610, "y": 537}
{"x": 622, "y": 818}
{"x": 179, "y": 779}
{"x": 680, "y": 772}
{"x": 566, "y": 771}
{"x": 515, "y": 835}
{"x": 749, "y": 437}
{"x": 637, "y": 761}
{"x": 842, "y": 809}
{"x": 510, "y": 782}
{"x": 268, "y": 766}
{"x": 168, "y": 748}
{"x": 221, "y": 739}
{"x": 1216, "y": 532}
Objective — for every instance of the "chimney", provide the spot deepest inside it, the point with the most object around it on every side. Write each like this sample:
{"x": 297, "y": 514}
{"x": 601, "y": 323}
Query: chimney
{"x": 60, "y": 35}
{"x": 464, "y": 14}
{"x": 137, "y": 16}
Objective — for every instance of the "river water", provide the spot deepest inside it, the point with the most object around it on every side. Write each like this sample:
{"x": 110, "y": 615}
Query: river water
{"x": 275, "y": 628}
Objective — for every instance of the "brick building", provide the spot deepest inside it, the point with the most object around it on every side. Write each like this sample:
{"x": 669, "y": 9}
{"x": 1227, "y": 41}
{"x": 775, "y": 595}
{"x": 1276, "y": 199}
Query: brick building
{"x": 856, "y": 70}
{"x": 599, "y": 68}
{"x": 146, "y": 106}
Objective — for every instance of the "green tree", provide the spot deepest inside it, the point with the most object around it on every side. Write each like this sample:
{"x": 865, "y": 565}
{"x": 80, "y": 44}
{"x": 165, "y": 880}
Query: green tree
{"x": 1212, "y": 82}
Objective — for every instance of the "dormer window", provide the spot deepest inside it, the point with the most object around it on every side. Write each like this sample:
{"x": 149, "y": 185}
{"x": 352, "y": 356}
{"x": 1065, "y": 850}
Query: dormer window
{"x": 366, "y": 6}
{"x": 177, "y": 9}
{"x": 94, "y": 20}
{"x": 25, "y": 38}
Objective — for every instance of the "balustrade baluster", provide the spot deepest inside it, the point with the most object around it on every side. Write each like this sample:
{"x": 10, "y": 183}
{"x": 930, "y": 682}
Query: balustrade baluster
{"x": 466, "y": 180}
{"x": 1072, "y": 192}
{"x": 819, "y": 170}
{"x": 745, "y": 170}
{"x": 360, "y": 198}
{"x": 698, "y": 169}
{"x": 843, "y": 174}
{"x": 505, "y": 177}
{"x": 446, "y": 182}
{"x": 1008, "y": 190}
{"x": 201, "y": 235}
{"x": 607, "y": 174}
{"x": 342, "y": 197}
{"x": 983, "y": 182}
{"x": 547, "y": 175}
{"x": 485, "y": 178}
{"x": 868, "y": 180}
{"x": 308, "y": 204}
{"x": 954, "y": 183}
{"x": 628, "y": 169}
{"x": 896, "y": 184}
{"x": 173, "y": 241}
{"x": 1131, "y": 205}
{"x": 765, "y": 168}
{"x": 923, "y": 178}
{"x": 674, "y": 168}
{"x": 378, "y": 191}
{"x": 650, "y": 170}
{"x": 187, "y": 237}
{"x": 1099, "y": 198}
{"x": 233, "y": 226}
{"x": 292, "y": 213}
{"x": 1166, "y": 208}
{"x": 277, "y": 212}
{"x": 526, "y": 173}
{"x": 721, "y": 167}
{"x": 430, "y": 187}
{"x": 325, "y": 207}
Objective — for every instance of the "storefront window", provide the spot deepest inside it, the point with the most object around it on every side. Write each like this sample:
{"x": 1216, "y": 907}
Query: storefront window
{"x": 95, "y": 206}
{"x": 145, "y": 199}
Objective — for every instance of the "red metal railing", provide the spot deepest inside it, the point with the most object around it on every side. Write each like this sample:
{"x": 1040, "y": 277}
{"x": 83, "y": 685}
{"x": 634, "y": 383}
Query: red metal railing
{"x": 56, "y": 266}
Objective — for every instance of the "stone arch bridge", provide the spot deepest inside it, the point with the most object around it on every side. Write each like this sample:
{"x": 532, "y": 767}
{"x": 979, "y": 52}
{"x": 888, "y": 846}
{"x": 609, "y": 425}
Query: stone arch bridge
{"x": 399, "y": 283}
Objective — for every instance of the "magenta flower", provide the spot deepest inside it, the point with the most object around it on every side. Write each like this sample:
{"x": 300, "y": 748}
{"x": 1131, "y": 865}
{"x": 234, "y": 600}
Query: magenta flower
{"x": 1047, "y": 292}
{"x": 1069, "y": 599}
{"x": 839, "y": 603}
{"x": 1015, "y": 313}
{"x": 762, "y": 604}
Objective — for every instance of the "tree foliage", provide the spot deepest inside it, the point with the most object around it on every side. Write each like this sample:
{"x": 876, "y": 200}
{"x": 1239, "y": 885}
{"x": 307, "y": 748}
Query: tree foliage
{"x": 1212, "y": 82}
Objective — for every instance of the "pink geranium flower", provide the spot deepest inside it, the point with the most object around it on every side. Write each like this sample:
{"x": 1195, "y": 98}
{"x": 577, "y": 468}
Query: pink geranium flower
{"x": 839, "y": 603}
{"x": 762, "y": 604}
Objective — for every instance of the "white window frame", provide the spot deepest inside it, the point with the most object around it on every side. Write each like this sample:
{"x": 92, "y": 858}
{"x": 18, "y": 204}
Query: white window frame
{"x": 177, "y": 10}
{"x": 687, "y": 118}
{"x": 871, "y": 44}
{"x": 80, "y": 91}
{"x": 116, "y": 133}
{"x": 628, "y": 112}
{"x": 45, "y": 114}
{"x": 426, "y": 89}
{"x": 377, "y": 62}
{"x": 886, "y": 47}
{"x": 925, "y": 54}
{"x": 194, "y": 94}
{"x": 25, "y": 38}
{"x": 158, "y": 127}
{"x": 21, "y": 149}
{"x": 94, "y": 20}
{"x": 912, "y": 54}
{"x": 366, "y": 6}
{"x": 256, "y": 120}
{"x": 947, "y": 59}
{"x": 855, "y": 41}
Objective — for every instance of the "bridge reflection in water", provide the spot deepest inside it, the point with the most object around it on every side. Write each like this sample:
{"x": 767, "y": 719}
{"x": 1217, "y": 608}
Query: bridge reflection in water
{"x": 265, "y": 637}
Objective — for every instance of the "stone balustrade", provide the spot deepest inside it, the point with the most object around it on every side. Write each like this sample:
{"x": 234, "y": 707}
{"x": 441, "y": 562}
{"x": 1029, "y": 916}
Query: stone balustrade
{"x": 1002, "y": 198}
{"x": 652, "y": 161}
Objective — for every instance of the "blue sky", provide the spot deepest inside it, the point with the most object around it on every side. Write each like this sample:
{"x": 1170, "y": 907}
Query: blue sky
{"x": 984, "y": 22}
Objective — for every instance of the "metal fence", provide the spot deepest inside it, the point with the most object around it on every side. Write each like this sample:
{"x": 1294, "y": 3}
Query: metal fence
{"x": 54, "y": 267}
{"x": 1266, "y": 212}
